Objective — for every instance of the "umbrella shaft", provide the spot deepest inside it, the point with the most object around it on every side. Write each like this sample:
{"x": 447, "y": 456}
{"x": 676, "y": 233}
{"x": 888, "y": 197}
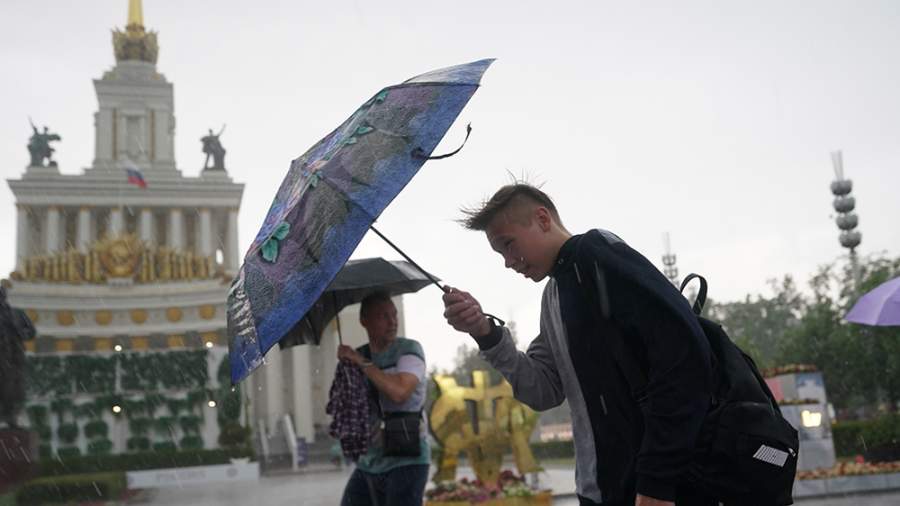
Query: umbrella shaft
{"x": 410, "y": 260}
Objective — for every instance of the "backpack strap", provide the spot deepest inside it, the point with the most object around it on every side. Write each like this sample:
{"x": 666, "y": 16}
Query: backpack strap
{"x": 701, "y": 295}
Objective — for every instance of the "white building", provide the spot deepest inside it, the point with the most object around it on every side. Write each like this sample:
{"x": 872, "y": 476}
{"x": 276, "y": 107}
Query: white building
{"x": 104, "y": 267}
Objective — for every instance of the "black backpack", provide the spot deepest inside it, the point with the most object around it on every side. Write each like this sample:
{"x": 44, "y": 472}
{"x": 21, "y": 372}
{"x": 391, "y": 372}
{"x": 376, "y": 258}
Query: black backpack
{"x": 746, "y": 452}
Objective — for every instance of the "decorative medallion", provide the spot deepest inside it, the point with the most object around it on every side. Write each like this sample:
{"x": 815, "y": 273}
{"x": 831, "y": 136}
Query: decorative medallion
{"x": 207, "y": 312}
{"x": 138, "y": 315}
{"x": 120, "y": 256}
{"x": 32, "y": 315}
{"x": 65, "y": 318}
{"x": 174, "y": 314}
{"x": 103, "y": 317}
{"x": 140, "y": 343}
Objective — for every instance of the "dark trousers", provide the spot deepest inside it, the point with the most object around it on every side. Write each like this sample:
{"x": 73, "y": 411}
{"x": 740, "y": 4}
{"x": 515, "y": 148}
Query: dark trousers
{"x": 401, "y": 486}
{"x": 684, "y": 496}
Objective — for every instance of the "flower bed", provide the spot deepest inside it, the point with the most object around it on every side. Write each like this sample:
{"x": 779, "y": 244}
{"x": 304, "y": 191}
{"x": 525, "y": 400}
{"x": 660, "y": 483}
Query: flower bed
{"x": 850, "y": 469}
{"x": 788, "y": 369}
{"x": 510, "y": 490}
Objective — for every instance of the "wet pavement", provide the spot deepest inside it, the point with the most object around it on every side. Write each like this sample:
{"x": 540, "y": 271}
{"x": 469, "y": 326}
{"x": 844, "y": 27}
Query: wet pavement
{"x": 323, "y": 487}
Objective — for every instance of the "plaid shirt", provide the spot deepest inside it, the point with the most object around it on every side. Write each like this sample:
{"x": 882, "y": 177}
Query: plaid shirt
{"x": 348, "y": 405}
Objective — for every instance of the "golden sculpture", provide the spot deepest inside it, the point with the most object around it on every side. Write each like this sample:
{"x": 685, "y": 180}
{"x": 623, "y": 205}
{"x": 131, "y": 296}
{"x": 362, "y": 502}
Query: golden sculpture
{"x": 135, "y": 43}
{"x": 502, "y": 422}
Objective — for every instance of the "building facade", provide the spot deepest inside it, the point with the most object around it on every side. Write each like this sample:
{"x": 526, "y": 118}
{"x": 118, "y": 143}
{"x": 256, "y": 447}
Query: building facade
{"x": 124, "y": 270}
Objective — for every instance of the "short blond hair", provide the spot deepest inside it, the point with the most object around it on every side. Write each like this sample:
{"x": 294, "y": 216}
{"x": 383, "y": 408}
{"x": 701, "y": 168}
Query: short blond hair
{"x": 509, "y": 196}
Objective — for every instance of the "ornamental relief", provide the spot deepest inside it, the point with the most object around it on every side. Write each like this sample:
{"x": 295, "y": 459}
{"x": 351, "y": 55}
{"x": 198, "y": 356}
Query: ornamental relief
{"x": 125, "y": 258}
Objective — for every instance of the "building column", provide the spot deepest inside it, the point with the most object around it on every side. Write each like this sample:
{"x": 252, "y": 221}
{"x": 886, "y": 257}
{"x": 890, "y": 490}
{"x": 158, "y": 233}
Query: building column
{"x": 116, "y": 222}
{"x": 146, "y": 227}
{"x": 23, "y": 237}
{"x": 232, "y": 261}
{"x": 205, "y": 245}
{"x": 175, "y": 233}
{"x": 83, "y": 240}
{"x": 51, "y": 230}
{"x": 274, "y": 385}
{"x": 301, "y": 390}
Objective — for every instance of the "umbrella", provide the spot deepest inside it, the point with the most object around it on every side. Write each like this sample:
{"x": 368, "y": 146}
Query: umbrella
{"x": 356, "y": 280}
{"x": 329, "y": 199}
{"x": 880, "y": 306}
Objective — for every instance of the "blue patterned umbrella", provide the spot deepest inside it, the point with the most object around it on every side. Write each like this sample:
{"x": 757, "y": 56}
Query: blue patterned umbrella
{"x": 328, "y": 200}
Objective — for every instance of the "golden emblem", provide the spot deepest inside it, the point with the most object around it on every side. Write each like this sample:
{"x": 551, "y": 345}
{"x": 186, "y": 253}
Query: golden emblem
{"x": 120, "y": 255}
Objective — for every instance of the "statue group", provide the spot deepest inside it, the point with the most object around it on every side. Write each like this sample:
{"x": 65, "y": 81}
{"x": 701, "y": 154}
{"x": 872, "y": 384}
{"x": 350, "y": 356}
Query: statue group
{"x": 39, "y": 147}
{"x": 213, "y": 148}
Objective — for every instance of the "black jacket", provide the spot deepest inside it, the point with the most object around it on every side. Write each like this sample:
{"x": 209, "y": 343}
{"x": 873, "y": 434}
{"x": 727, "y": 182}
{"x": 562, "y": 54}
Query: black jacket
{"x": 600, "y": 290}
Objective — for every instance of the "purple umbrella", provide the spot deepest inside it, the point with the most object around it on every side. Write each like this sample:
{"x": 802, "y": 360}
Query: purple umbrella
{"x": 879, "y": 307}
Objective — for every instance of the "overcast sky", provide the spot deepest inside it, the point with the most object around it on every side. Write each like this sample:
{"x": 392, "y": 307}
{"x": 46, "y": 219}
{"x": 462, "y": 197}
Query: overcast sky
{"x": 713, "y": 122}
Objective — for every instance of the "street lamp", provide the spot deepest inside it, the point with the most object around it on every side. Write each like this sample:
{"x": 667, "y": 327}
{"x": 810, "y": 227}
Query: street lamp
{"x": 668, "y": 259}
{"x": 846, "y": 219}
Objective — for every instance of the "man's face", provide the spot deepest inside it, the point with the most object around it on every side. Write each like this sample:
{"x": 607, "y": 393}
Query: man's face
{"x": 523, "y": 247}
{"x": 380, "y": 321}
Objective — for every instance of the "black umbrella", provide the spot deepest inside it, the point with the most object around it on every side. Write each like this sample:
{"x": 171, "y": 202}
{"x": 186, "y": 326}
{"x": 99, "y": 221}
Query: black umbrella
{"x": 356, "y": 280}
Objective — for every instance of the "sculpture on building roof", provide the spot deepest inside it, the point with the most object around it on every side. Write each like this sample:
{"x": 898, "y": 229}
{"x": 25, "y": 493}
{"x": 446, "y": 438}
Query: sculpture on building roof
{"x": 39, "y": 146}
{"x": 213, "y": 147}
{"x": 135, "y": 43}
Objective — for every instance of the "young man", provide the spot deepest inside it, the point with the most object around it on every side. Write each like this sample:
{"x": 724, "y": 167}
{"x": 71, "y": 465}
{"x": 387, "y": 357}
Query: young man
{"x": 396, "y": 368}
{"x": 631, "y": 448}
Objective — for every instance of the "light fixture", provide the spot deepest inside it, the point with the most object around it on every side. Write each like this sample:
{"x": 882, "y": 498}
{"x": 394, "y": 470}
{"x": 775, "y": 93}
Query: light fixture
{"x": 117, "y": 347}
{"x": 811, "y": 418}
{"x": 211, "y": 403}
{"x": 117, "y": 409}
{"x": 209, "y": 344}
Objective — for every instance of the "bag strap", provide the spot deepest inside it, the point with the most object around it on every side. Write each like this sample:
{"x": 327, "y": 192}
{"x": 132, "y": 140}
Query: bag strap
{"x": 366, "y": 352}
{"x": 701, "y": 295}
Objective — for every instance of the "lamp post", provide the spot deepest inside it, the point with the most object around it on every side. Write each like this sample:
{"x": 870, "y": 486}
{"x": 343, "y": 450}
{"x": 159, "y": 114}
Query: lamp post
{"x": 668, "y": 259}
{"x": 846, "y": 220}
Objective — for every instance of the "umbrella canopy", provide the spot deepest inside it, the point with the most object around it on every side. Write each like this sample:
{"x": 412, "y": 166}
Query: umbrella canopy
{"x": 880, "y": 306}
{"x": 328, "y": 200}
{"x": 352, "y": 284}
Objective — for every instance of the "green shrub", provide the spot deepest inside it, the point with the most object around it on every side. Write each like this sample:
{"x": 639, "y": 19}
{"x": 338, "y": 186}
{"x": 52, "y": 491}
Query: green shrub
{"x": 229, "y": 406}
{"x": 191, "y": 443}
{"x": 138, "y": 461}
{"x": 138, "y": 443}
{"x": 233, "y": 435}
{"x": 72, "y": 489}
{"x": 45, "y": 451}
{"x": 44, "y": 432}
{"x": 37, "y": 415}
{"x": 553, "y": 450}
{"x": 140, "y": 426}
{"x": 95, "y": 429}
{"x": 67, "y": 432}
{"x": 164, "y": 425}
{"x": 872, "y": 438}
{"x": 164, "y": 446}
{"x": 87, "y": 410}
{"x": 847, "y": 437}
{"x": 100, "y": 447}
{"x": 68, "y": 452}
{"x": 191, "y": 424}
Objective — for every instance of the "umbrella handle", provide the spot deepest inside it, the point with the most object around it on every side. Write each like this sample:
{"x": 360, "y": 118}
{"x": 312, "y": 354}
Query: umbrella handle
{"x": 420, "y": 154}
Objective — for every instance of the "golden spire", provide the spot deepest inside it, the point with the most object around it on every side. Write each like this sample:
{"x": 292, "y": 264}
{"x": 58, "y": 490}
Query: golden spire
{"x": 135, "y": 14}
{"x": 134, "y": 43}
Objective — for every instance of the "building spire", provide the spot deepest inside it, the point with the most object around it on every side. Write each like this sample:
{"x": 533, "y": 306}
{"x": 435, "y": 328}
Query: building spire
{"x": 135, "y": 43}
{"x": 135, "y": 15}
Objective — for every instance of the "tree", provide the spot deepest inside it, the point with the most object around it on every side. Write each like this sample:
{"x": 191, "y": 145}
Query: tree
{"x": 758, "y": 324}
